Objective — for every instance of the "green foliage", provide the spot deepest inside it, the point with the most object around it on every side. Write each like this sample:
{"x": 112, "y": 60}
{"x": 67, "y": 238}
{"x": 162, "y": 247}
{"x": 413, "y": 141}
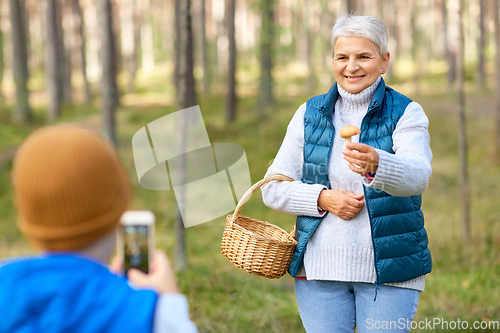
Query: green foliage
{"x": 464, "y": 281}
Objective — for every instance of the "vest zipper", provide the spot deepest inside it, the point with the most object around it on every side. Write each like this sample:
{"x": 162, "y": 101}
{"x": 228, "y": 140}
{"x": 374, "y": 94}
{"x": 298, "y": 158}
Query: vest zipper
{"x": 373, "y": 244}
{"x": 376, "y": 291}
{"x": 330, "y": 120}
{"x": 327, "y": 116}
{"x": 371, "y": 109}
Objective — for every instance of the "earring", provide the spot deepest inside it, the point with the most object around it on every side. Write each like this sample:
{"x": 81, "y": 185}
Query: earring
{"x": 383, "y": 72}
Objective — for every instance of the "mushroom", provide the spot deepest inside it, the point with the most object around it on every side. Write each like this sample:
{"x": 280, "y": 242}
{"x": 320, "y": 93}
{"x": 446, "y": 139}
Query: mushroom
{"x": 347, "y": 132}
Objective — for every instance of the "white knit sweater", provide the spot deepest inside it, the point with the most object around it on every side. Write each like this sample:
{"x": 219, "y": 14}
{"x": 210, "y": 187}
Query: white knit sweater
{"x": 342, "y": 250}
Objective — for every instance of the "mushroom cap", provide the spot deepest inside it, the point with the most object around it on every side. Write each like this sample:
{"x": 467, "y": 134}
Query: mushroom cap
{"x": 349, "y": 131}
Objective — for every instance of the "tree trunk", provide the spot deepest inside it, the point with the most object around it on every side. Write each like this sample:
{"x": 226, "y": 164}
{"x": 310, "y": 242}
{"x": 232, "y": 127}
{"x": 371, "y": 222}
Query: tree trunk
{"x": 391, "y": 9}
{"x": 39, "y": 28}
{"x": 68, "y": 72}
{"x": 61, "y": 52}
{"x": 2, "y": 59}
{"x": 22, "y": 111}
{"x": 80, "y": 44}
{"x": 36, "y": 34}
{"x": 53, "y": 62}
{"x": 231, "y": 89}
{"x": 92, "y": 41}
{"x": 352, "y": 6}
{"x": 66, "y": 46}
{"x": 134, "y": 62}
{"x": 26, "y": 22}
{"x": 481, "y": 46}
{"x": 221, "y": 39}
{"x": 25, "y": 27}
{"x": 415, "y": 29}
{"x": 115, "y": 28}
{"x": 326, "y": 48}
{"x": 128, "y": 40}
{"x": 496, "y": 17}
{"x": 462, "y": 132}
{"x": 187, "y": 94}
{"x": 204, "y": 49}
{"x": 311, "y": 80}
{"x": 450, "y": 54}
{"x": 187, "y": 98}
{"x": 300, "y": 38}
{"x": 177, "y": 44}
{"x": 266, "y": 98}
{"x": 109, "y": 89}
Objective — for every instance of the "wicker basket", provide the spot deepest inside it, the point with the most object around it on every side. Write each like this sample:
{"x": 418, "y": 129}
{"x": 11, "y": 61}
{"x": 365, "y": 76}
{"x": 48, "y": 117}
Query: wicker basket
{"x": 255, "y": 246}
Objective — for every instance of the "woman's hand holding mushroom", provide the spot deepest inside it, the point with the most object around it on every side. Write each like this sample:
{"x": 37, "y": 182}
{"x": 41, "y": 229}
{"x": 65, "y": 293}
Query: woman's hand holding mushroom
{"x": 341, "y": 203}
{"x": 347, "y": 132}
{"x": 362, "y": 158}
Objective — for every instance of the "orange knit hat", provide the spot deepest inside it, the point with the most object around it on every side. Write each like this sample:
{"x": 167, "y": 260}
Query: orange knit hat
{"x": 70, "y": 187}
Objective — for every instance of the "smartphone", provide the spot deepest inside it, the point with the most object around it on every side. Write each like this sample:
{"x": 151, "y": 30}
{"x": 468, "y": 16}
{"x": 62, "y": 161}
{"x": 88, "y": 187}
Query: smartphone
{"x": 136, "y": 239}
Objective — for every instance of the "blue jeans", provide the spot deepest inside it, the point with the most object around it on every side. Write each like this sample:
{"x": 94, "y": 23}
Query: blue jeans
{"x": 332, "y": 306}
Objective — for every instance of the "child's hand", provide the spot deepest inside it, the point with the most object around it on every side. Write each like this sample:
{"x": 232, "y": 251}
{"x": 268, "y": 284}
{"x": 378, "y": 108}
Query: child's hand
{"x": 116, "y": 266}
{"x": 161, "y": 277}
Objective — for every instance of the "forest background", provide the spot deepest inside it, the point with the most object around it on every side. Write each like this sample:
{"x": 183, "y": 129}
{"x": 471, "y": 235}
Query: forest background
{"x": 116, "y": 65}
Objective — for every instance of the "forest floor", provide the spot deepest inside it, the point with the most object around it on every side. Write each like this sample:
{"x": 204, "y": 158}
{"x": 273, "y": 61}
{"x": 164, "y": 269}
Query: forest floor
{"x": 464, "y": 282}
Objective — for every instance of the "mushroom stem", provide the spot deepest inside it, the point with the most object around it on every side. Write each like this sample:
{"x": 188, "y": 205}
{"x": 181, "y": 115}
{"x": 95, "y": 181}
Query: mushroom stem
{"x": 347, "y": 132}
{"x": 347, "y": 140}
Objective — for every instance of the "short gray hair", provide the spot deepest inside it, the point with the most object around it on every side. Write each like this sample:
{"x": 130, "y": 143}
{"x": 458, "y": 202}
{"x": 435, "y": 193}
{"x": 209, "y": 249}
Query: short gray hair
{"x": 369, "y": 27}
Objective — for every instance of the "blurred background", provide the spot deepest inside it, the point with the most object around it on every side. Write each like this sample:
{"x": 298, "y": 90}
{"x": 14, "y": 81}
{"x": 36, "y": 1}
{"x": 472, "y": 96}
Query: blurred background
{"x": 116, "y": 65}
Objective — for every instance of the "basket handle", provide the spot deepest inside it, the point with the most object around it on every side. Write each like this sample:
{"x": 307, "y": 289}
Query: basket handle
{"x": 252, "y": 189}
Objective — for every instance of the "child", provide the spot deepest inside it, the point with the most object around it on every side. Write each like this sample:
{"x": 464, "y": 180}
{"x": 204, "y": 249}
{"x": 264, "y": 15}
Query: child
{"x": 70, "y": 190}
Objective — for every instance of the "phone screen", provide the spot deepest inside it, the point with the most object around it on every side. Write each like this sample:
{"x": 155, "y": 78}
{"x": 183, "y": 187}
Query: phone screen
{"x": 136, "y": 247}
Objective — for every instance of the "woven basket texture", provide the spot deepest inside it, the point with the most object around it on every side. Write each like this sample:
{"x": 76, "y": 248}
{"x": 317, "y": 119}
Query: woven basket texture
{"x": 258, "y": 247}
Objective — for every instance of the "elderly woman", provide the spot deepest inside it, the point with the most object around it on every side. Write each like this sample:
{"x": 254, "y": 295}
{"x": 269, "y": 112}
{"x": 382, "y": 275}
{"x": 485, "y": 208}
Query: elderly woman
{"x": 361, "y": 253}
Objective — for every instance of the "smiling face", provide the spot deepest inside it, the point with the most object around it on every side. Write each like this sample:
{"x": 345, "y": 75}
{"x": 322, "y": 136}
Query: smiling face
{"x": 357, "y": 63}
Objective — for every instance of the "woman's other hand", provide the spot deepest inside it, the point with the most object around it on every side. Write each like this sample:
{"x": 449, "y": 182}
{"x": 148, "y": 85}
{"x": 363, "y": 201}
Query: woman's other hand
{"x": 341, "y": 203}
{"x": 362, "y": 158}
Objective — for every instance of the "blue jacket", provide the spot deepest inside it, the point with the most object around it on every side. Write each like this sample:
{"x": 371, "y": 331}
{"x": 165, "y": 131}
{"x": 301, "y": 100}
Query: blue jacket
{"x": 397, "y": 223}
{"x": 68, "y": 293}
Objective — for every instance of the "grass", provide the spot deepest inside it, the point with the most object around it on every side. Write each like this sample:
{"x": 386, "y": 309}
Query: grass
{"x": 463, "y": 284}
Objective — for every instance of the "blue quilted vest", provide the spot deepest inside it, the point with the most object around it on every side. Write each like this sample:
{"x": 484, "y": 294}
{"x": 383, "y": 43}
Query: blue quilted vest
{"x": 397, "y": 223}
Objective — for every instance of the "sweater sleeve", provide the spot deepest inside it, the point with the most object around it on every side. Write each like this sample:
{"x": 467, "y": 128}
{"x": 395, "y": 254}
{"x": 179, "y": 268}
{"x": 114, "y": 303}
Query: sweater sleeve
{"x": 407, "y": 172}
{"x": 295, "y": 198}
{"x": 172, "y": 315}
